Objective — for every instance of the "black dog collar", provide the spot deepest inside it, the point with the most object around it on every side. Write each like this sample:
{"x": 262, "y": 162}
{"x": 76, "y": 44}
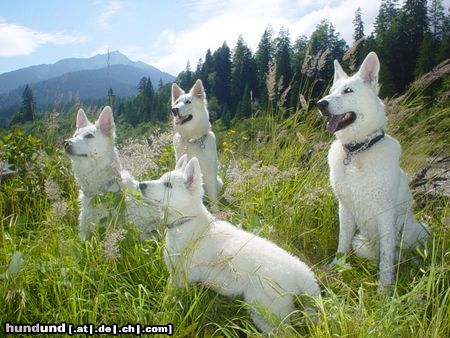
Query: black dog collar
{"x": 179, "y": 221}
{"x": 352, "y": 149}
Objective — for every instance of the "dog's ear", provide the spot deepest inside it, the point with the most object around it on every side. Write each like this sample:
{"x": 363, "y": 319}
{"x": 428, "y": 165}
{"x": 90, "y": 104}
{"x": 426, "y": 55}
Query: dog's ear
{"x": 82, "y": 120}
{"x": 369, "y": 69}
{"x": 193, "y": 174}
{"x": 176, "y": 92}
{"x": 198, "y": 90}
{"x": 105, "y": 120}
{"x": 181, "y": 163}
{"x": 339, "y": 73}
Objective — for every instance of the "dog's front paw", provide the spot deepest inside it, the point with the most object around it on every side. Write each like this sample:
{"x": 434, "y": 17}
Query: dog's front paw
{"x": 339, "y": 260}
{"x": 385, "y": 291}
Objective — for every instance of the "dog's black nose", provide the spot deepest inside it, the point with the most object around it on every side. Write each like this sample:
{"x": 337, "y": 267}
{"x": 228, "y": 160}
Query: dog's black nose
{"x": 175, "y": 111}
{"x": 142, "y": 186}
{"x": 322, "y": 104}
{"x": 323, "y": 107}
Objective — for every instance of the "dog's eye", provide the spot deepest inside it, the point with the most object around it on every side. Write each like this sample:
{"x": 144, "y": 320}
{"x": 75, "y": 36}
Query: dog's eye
{"x": 89, "y": 135}
{"x": 187, "y": 101}
{"x": 348, "y": 90}
{"x": 168, "y": 184}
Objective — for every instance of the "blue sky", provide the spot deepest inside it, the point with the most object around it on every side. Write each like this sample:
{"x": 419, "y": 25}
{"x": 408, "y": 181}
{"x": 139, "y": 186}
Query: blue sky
{"x": 163, "y": 33}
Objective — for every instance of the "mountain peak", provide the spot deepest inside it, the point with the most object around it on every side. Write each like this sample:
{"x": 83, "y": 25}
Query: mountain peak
{"x": 83, "y": 78}
{"x": 38, "y": 73}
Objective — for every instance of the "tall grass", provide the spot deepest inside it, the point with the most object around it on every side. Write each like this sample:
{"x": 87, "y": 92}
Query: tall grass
{"x": 276, "y": 184}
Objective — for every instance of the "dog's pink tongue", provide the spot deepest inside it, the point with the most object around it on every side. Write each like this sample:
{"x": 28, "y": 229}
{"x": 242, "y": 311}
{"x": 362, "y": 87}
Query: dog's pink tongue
{"x": 333, "y": 124}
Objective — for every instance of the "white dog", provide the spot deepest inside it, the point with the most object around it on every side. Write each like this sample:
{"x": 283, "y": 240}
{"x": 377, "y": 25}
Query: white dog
{"x": 193, "y": 134}
{"x": 97, "y": 169}
{"x": 231, "y": 261}
{"x": 374, "y": 198}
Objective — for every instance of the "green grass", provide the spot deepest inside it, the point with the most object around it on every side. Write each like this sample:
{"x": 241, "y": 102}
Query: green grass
{"x": 279, "y": 189}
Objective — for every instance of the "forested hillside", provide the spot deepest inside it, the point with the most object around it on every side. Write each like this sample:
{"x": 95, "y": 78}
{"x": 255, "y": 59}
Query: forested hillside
{"x": 410, "y": 39}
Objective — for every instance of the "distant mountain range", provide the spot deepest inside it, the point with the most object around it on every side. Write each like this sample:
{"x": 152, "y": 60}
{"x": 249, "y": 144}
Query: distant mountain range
{"x": 67, "y": 81}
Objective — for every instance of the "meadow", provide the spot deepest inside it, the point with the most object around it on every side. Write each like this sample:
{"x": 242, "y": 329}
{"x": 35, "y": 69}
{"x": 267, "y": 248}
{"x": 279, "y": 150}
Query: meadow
{"x": 276, "y": 185}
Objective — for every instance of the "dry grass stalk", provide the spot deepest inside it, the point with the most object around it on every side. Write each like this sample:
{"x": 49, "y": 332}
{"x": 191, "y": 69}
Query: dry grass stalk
{"x": 393, "y": 105}
{"x": 323, "y": 59}
{"x": 284, "y": 94}
{"x": 352, "y": 52}
{"x": 110, "y": 244}
{"x": 271, "y": 81}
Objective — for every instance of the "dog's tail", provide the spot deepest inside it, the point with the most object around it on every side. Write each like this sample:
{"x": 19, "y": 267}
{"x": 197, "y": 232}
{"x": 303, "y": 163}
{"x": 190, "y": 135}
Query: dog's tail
{"x": 365, "y": 248}
{"x": 414, "y": 233}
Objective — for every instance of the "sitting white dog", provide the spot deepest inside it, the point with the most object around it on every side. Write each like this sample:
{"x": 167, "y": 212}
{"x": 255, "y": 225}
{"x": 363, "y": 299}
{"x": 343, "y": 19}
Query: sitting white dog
{"x": 231, "y": 261}
{"x": 193, "y": 134}
{"x": 97, "y": 169}
{"x": 375, "y": 202}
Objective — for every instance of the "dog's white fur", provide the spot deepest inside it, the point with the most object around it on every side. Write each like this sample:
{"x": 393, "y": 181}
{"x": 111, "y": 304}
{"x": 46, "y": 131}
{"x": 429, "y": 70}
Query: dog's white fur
{"x": 188, "y": 138}
{"x": 217, "y": 254}
{"x": 374, "y": 198}
{"x": 95, "y": 163}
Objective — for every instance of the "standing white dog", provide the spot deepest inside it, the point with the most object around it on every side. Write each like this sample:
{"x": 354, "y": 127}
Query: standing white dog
{"x": 97, "y": 169}
{"x": 193, "y": 134}
{"x": 231, "y": 261}
{"x": 374, "y": 197}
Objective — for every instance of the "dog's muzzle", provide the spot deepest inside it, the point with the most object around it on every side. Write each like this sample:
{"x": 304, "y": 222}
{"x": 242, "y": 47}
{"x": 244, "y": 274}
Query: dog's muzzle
{"x": 67, "y": 144}
{"x": 323, "y": 108}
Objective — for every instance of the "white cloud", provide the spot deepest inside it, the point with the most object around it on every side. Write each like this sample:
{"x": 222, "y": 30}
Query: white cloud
{"x": 341, "y": 16}
{"x": 108, "y": 13}
{"x": 226, "y": 20}
{"x": 250, "y": 20}
{"x": 20, "y": 40}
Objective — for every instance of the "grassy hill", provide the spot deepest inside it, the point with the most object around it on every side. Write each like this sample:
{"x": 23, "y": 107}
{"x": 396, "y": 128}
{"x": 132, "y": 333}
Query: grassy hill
{"x": 276, "y": 184}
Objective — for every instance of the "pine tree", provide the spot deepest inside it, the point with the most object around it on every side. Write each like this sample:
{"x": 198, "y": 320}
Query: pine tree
{"x": 412, "y": 30}
{"x": 207, "y": 69}
{"x": 387, "y": 12}
{"x": 358, "y": 48}
{"x": 427, "y": 55}
{"x": 417, "y": 20}
{"x": 386, "y": 44}
{"x": 145, "y": 88}
{"x": 436, "y": 19}
{"x": 244, "y": 107}
{"x": 28, "y": 107}
{"x": 222, "y": 75}
{"x": 299, "y": 51}
{"x": 444, "y": 45}
{"x": 186, "y": 78}
{"x": 358, "y": 25}
{"x": 263, "y": 56}
{"x": 369, "y": 44}
{"x": 198, "y": 71}
{"x": 243, "y": 72}
{"x": 283, "y": 58}
{"x": 111, "y": 97}
{"x": 325, "y": 45}
{"x": 27, "y": 110}
{"x": 145, "y": 100}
